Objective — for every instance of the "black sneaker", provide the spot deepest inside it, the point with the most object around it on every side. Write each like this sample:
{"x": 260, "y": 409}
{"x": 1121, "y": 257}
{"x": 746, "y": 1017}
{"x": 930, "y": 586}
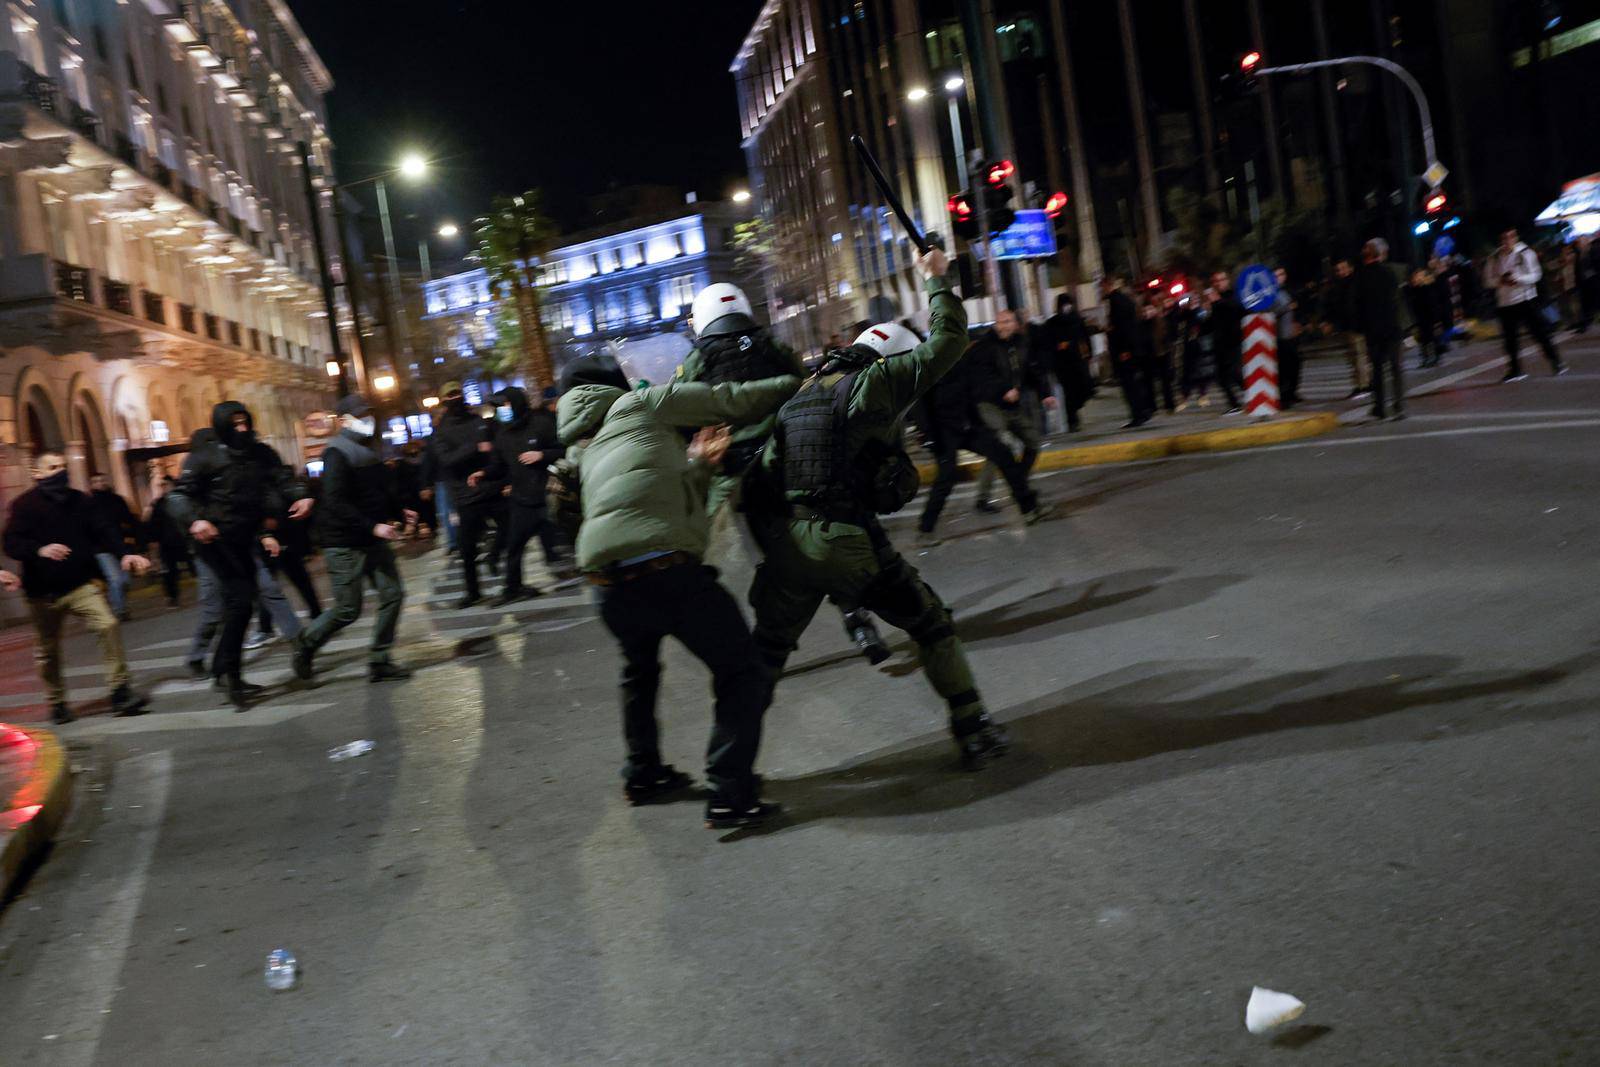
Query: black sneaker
{"x": 125, "y": 702}
{"x": 869, "y": 642}
{"x": 241, "y": 693}
{"x": 60, "y": 714}
{"x": 197, "y": 667}
{"x": 302, "y": 660}
{"x": 725, "y": 814}
{"x": 980, "y": 740}
{"x": 1039, "y": 513}
{"x": 512, "y": 596}
{"x": 1513, "y": 376}
{"x": 467, "y": 601}
{"x": 387, "y": 672}
{"x": 1560, "y": 369}
{"x": 985, "y": 508}
{"x": 653, "y": 785}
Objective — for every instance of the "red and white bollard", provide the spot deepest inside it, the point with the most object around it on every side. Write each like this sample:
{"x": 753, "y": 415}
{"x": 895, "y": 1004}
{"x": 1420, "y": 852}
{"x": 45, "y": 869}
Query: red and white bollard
{"x": 1261, "y": 397}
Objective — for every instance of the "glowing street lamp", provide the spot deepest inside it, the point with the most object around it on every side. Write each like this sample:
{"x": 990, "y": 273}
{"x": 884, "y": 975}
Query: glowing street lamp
{"x": 917, "y": 95}
{"x": 449, "y": 230}
{"x": 741, "y": 196}
{"x": 413, "y": 166}
{"x": 383, "y": 383}
{"x": 955, "y": 84}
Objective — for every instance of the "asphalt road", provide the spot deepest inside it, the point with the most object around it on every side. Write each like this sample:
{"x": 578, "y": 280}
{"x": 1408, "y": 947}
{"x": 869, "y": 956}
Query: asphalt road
{"x": 1320, "y": 717}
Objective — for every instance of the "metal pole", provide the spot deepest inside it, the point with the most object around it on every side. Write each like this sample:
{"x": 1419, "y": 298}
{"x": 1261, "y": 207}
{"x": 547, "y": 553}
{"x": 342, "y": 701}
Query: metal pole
{"x": 422, "y": 255}
{"x": 1090, "y": 266}
{"x": 1423, "y": 114}
{"x": 1269, "y": 109}
{"x": 396, "y": 301}
{"x": 1202, "y": 98}
{"x": 989, "y": 104}
{"x": 1330, "y": 113}
{"x": 328, "y": 301}
{"x": 1141, "y": 133}
{"x": 351, "y": 291}
{"x": 960, "y": 144}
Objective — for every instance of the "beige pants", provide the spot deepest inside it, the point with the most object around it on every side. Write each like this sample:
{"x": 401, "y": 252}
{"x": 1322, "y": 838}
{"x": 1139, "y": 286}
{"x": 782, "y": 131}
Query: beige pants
{"x": 87, "y": 602}
{"x": 1360, "y": 367}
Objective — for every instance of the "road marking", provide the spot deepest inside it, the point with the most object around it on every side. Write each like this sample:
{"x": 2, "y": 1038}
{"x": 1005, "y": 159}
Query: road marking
{"x": 76, "y": 978}
{"x": 264, "y": 714}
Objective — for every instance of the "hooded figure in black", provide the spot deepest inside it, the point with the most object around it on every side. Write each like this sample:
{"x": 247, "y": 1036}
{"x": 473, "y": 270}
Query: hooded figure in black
{"x": 230, "y": 487}
{"x": 462, "y": 447}
{"x": 525, "y": 444}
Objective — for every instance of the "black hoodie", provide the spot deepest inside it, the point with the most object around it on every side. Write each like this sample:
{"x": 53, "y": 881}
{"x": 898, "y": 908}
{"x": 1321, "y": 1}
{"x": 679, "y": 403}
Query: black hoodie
{"x": 57, "y": 514}
{"x": 530, "y": 430}
{"x": 455, "y": 443}
{"x": 231, "y": 480}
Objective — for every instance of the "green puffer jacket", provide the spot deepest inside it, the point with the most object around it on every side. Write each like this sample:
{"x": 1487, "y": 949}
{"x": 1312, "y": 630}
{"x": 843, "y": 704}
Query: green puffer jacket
{"x": 641, "y": 494}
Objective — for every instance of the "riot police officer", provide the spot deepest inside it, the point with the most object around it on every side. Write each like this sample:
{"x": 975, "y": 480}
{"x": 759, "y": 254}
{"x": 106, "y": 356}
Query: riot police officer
{"x": 837, "y": 462}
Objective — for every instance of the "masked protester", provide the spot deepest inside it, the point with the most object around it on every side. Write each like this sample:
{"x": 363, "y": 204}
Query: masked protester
{"x": 642, "y": 542}
{"x": 57, "y": 533}
{"x": 836, "y": 465}
{"x": 462, "y": 447}
{"x": 231, "y": 486}
{"x": 525, "y": 444}
{"x": 356, "y": 524}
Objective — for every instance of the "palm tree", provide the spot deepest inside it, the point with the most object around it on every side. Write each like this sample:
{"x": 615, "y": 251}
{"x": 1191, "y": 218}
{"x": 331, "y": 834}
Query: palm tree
{"x": 515, "y": 233}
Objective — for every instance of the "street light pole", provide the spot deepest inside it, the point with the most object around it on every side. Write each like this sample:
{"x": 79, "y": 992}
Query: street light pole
{"x": 328, "y": 302}
{"x": 352, "y": 270}
{"x": 396, "y": 304}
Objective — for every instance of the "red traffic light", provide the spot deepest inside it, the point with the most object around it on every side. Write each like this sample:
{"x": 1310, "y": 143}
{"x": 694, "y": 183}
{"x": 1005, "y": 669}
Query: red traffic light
{"x": 1056, "y": 204}
{"x": 1178, "y": 289}
{"x": 1436, "y": 202}
{"x": 1000, "y": 172}
{"x": 1249, "y": 62}
{"x": 959, "y": 207}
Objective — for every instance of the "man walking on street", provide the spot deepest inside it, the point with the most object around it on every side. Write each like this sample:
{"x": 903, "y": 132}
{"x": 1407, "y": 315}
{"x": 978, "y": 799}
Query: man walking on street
{"x": 1009, "y": 389}
{"x": 525, "y": 444}
{"x": 1063, "y": 342}
{"x": 1378, "y": 315}
{"x": 1514, "y": 271}
{"x": 1122, "y": 340}
{"x": 1342, "y": 318}
{"x": 114, "y": 511}
{"x": 1227, "y": 338}
{"x": 57, "y": 534}
{"x": 1283, "y": 310}
{"x": 356, "y": 522}
{"x": 642, "y": 542}
{"x": 230, "y": 486}
{"x": 462, "y": 440}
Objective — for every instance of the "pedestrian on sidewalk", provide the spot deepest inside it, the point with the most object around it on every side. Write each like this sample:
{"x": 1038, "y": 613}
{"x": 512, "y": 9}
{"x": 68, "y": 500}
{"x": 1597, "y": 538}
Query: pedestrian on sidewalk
{"x": 642, "y": 543}
{"x": 1062, "y": 343}
{"x": 1422, "y": 298}
{"x": 836, "y": 465}
{"x": 58, "y": 535}
{"x": 1009, "y": 389}
{"x": 1227, "y": 339}
{"x": 462, "y": 439}
{"x": 1341, "y": 308}
{"x": 1514, "y": 272}
{"x": 1378, "y": 314}
{"x": 1195, "y": 324}
{"x": 1285, "y": 310}
{"x": 1122, "y": 347}
{"x": 163, "y": 531}
{"x": 1154, "y": 352}
{"x": 525, "y": 444}
{"x": 356, "y": 524}
{"x": 230, "y": 486}
{"x": 1588, "y": 251}
{"x": 114, "y": 510}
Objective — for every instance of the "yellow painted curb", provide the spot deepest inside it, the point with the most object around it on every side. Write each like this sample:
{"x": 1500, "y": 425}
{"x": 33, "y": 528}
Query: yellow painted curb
{"x": 49, "y": 785}
{"x": 1276, "y": 431}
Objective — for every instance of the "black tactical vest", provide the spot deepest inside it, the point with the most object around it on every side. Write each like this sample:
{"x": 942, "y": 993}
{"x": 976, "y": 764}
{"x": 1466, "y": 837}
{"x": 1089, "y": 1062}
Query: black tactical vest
{"x": 811, "y": 427}
{"x": 740, "y": 357}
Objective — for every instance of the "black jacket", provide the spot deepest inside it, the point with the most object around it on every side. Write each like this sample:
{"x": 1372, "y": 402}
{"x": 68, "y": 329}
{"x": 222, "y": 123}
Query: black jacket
{"x": 357, "y": 493}
{"x": 236, "y": 485}
{"x": 115, "y": 510}
{"x": 1122, "y": 324}
{"x": 995, "y": 367}
{"x": 455, "y": 441}
{"x": 530, "y": 430}
{"x": 42, "y": 517}
{"x": 1061, "y": 342}
{"x": 163, "y": 528}
{"x": 947, "y": 412}
{"x": 1227, "y": 328}
{"x": 1377, "y": 302}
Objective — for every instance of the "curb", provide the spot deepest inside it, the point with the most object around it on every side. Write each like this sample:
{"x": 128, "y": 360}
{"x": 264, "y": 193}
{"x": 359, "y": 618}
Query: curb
{"x": 30, "y": 817}
{"x": 1277, "y": 431}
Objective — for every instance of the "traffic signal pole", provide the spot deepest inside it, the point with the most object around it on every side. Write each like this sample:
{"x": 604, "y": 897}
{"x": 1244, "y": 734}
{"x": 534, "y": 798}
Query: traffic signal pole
{"x": 983, "y": 77}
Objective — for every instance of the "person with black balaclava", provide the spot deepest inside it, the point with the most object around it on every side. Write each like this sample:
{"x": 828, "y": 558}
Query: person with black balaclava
{"x": 525, "y": 444}
{"x": 231, "y": 486}
{"x": 1063, "y": 346}
{"x": 57, "y": 533}
{"x": 462, "y": 446}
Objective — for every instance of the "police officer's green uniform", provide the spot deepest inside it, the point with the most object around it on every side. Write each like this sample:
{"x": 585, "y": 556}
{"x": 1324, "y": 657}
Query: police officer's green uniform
{"x": 813, "y": 514}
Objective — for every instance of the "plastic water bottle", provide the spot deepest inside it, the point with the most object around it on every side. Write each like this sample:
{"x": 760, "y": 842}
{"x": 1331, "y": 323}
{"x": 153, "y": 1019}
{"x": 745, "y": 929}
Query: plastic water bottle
{"x": 282, "y": 970}
{"x": 350, "y": 751}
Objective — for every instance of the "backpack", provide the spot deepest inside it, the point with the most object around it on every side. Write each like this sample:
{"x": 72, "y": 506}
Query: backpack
{"x": 564, "y": 493}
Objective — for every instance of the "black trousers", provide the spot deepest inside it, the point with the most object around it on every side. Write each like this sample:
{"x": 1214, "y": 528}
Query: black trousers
{"x": 234, "y": 565}
{"x": 980, "y": 439}
{"x": 172, "y": 560}
{"x": 523, "y": 522}
{"x": 1135, "y": 389}
{"x": 1512, "y": 319}
{"x": 1288, "y": 371}
{"x": 687, "y": 603}
{"x": 1158, "y": 370}
{"x": 292, "y": 565}
{"x": 1227, "y": 363}
{"x": 475, "y": 519}
{"x": 1385, "y": 356}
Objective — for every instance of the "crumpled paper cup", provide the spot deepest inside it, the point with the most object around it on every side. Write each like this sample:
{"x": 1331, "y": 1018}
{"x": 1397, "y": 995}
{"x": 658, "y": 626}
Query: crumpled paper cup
{"x": 1268, "y": 1010}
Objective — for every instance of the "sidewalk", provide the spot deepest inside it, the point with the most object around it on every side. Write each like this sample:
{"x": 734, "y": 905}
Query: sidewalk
{"x": 35, "y": 789}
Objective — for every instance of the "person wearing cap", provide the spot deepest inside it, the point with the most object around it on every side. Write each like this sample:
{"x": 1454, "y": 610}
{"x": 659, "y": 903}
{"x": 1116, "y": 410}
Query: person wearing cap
{"x": 837, "y": 463}
{"x": 642, "y": 542}
{"x": 461, "y": 441}
{"x": 525, "y": 444}
{"x": 356, "y": 524}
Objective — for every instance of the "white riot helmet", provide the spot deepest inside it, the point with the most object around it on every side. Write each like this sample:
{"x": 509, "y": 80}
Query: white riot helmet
{"x": 888, "y": 339}
{"x": 714, "y": 306}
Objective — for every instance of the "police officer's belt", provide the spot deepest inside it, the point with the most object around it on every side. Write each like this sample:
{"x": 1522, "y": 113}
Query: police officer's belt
{"x": 852, "y": 518}
{"x": 615, "y": 575}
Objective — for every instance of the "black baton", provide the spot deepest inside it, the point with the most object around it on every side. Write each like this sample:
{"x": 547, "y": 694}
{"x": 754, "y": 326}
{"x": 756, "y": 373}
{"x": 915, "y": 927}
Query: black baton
{"x": 916, "y": 235}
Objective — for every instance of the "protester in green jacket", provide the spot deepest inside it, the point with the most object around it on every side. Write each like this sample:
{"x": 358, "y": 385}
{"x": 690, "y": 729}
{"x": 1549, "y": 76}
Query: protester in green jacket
{"x": 836, "y": 463}
{"x": 642, "y": 543}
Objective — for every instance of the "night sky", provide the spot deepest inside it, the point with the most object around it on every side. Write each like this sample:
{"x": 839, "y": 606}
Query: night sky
{"x": 516, "y": 94}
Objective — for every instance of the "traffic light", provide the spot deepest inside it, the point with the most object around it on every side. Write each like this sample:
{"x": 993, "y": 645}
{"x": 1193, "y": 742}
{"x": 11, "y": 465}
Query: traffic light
{"x": 997, "y": 194}
{"x": 1055, "y": 205}
{"x": 1435, "y": 202}
{"x": 963, "y": 217}
{"x": 1237, "y": 86}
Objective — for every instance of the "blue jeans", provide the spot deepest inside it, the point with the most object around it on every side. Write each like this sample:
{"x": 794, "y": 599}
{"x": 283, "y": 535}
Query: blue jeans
{"x": 441, "y": 506}
{"x": 116, "y": 582}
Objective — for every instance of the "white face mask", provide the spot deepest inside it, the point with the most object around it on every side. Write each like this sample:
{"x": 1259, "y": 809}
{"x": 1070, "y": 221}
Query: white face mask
{"x": 365, "y": 427}
{"x": 504, "y": 413}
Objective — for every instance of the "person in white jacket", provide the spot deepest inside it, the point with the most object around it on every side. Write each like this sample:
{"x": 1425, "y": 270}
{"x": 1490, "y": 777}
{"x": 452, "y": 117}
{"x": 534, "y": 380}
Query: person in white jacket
{"x": 1514, "y": 272}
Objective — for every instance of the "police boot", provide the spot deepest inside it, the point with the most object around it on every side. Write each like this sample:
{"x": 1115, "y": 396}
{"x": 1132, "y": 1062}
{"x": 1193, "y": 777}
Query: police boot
{"x": 980, "y": 740}
{"x": 869, "y": 642}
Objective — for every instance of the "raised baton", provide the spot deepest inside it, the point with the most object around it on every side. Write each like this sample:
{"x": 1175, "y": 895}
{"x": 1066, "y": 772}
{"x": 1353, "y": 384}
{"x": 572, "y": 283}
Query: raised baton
{"x": 917, "y": 237}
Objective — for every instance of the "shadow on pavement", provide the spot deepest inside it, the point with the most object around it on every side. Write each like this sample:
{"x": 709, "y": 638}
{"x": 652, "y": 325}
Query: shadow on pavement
{"x": 1113, "y": 731}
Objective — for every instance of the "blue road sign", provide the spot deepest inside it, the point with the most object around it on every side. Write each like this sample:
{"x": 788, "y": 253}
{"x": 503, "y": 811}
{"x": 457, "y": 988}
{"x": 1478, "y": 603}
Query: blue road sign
{"x": 1444, "y": 246}
{"x": 1032, "y": 236}
{"x": 1258, "y": 287}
